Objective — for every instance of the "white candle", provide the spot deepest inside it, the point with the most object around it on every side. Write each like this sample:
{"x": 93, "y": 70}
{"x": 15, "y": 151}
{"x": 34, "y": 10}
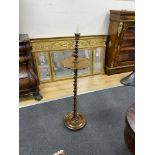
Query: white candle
{"x": 77, "y": 28}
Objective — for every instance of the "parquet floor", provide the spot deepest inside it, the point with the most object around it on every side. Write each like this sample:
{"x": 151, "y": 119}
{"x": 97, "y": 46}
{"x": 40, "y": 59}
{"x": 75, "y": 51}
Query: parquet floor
{"x": 60, "y": 89}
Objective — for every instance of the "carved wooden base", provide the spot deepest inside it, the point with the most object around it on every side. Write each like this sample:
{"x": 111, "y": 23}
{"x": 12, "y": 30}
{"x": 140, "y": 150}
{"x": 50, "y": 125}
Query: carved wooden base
{"x": 75, "y": 123}
{"x": 37, "y": 96}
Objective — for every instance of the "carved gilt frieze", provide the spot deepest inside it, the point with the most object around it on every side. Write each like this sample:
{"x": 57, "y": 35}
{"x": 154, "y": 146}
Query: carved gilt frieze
{"x": 64, "y": 43}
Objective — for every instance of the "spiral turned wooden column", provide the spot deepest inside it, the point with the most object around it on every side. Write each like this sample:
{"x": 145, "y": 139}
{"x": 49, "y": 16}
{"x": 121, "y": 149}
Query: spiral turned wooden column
{"x": 75, "y": 120}
{"x": 75, "y": 54}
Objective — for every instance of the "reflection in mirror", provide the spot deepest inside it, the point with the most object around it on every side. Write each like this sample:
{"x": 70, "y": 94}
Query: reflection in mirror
{"x": 43, "y": 66}
{"x": 85, "y": 53}
{"x": 59, "y": 70}
{"x": 99, "y": 55}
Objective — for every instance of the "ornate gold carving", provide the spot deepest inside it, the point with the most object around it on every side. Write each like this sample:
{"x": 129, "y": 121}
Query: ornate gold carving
{"x": 66, "y": 43}
{"x": 120, "y": 28}
{"x": 109, "y": 44}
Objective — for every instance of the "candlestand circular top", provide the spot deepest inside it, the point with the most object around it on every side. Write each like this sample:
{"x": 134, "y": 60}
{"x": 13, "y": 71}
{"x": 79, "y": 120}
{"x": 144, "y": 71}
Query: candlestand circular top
{"x": 81, "y": 63}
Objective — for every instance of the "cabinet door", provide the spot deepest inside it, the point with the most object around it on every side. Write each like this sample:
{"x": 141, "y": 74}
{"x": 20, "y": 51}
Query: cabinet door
{"x": 126, "y": 45}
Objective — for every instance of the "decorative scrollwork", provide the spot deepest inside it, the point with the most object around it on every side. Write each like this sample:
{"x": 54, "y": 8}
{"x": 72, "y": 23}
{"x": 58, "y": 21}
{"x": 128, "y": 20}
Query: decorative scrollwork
{"x": 119, "y": 28}
{"x": 66, "y": 43}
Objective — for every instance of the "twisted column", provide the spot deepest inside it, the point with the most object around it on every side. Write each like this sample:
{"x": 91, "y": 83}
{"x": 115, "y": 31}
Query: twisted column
{"x": 75, "y": 54}
{"x": 75, "y": 120}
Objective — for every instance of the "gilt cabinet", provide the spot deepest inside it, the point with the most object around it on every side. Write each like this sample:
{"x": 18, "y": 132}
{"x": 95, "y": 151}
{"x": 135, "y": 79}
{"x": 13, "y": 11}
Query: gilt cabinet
{"x": 28, "y": 81}
{"x": 120, "y": 51}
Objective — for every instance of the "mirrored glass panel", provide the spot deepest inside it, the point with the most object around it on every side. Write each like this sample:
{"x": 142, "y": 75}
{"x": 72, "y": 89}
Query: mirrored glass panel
{"x": 85, "y": 53}
{"x": 43, "y": 66}
{"x": 59, "y": 70}
{"x": 98, "y": 63}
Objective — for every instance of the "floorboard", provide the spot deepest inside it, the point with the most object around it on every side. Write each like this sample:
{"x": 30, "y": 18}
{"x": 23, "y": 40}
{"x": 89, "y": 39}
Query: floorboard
{"x": 59, "y": 89}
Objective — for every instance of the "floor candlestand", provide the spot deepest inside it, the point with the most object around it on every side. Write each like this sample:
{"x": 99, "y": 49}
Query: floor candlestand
{"x": 75, "y": 120}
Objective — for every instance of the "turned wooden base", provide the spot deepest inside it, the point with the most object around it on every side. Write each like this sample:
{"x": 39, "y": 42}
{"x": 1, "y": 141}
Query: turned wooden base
{"x": 74, "y": 123}
{"x": 37, "y": 96}
{"x": 35, "y": 92}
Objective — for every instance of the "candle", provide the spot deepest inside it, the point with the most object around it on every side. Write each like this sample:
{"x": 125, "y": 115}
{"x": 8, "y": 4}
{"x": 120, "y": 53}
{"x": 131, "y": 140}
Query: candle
{"x": 77, "y": 28}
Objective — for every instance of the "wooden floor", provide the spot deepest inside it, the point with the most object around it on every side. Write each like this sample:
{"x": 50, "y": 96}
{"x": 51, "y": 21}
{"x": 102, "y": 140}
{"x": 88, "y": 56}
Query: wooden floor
{"x": 59, "y": 89}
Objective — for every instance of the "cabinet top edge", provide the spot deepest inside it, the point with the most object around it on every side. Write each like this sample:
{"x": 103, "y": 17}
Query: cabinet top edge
{"x": 120, "y": 12}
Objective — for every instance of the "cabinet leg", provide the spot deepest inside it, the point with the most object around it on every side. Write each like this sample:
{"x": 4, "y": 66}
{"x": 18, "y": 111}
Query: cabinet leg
{"x": 37, "y": 96}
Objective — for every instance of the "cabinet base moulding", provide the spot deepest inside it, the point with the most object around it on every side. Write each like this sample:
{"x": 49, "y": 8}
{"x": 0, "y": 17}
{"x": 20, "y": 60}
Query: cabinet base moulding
{"x": 117, "y": 70}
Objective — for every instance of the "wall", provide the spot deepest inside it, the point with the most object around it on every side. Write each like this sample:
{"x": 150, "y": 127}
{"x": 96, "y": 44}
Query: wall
{"x": 53, "y": 18}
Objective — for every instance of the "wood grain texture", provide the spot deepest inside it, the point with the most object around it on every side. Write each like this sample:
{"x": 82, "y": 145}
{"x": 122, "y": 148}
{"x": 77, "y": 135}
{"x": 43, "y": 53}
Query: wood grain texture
{"x": 129, "y": 131}
{"x": 28, "y": 81}
{"x": 120, "y": 51}
{"x": 59, "y": 89}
